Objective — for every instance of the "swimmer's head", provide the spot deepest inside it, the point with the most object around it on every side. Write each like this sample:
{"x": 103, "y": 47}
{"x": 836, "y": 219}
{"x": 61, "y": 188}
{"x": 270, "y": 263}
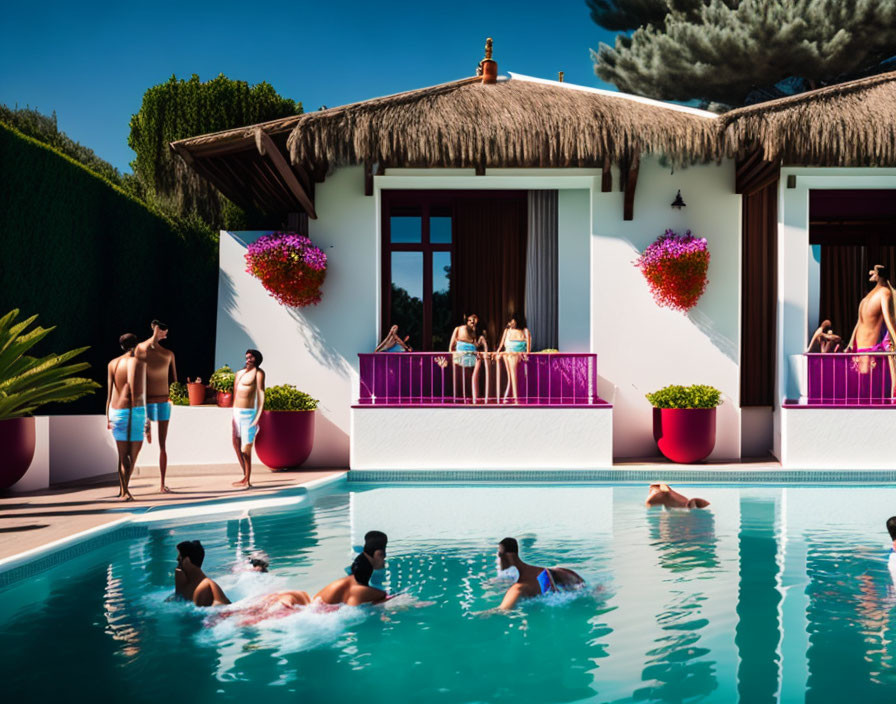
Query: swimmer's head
{"x": 191, "y": 549}
{"x": 891, "y": 527}
{"x": 375, "y": 547}
{"x": 506, "y": 548}
{"x": 258, "y": 564}
{"x": 362, "y": 569}
{"x": 128, "y": 341}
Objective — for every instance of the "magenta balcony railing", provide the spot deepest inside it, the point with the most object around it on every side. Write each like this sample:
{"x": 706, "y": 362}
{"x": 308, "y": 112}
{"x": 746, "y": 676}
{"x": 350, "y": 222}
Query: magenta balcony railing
{"x": 441, "y": 379}
{"x": 849, "y": 378}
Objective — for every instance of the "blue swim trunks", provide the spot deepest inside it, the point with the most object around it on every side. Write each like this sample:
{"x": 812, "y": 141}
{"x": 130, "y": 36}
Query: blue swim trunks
{"x": 242, "y": 423}
{"x": 159, "y": 411}
{"x": 122, "y": 418}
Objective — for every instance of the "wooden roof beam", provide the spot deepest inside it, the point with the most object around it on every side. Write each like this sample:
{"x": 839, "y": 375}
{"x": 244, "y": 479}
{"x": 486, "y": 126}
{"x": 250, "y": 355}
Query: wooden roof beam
{"x": 628, "y": 179}
{"x": 266, "y": 147}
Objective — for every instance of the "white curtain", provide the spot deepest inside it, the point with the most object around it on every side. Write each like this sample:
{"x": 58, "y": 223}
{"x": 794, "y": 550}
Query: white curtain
{"x": 541, "y": 269}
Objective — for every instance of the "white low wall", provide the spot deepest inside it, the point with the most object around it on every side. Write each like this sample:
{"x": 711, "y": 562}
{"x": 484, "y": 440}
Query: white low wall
{"x": 481, "y": 438}
{"x": 838, "y": 438}
{"x": 196, "y": 435}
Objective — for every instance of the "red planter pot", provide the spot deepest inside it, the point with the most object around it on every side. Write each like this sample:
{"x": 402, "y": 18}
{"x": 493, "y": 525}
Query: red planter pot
{"x": 685, "y": 435}
{"x": 224, "y": 399}
{"x": 17, "y": 440}
{"x": 196, "y": 393}
{"x": 284, "y": 438}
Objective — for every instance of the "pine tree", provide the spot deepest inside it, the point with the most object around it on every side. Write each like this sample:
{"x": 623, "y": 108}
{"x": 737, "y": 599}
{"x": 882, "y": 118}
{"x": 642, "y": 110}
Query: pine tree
{"x": 737, "y": 52}
{"x": 178, "y": 109}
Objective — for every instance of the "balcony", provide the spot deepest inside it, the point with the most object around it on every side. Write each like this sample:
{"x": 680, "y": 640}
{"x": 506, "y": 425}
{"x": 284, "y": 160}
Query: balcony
{"x": 445, "y": 379}
{"x": 416, "y": 410}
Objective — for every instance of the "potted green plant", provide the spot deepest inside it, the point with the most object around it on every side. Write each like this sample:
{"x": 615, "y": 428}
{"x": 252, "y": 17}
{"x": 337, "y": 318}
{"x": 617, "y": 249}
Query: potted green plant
{"x": 177, "y": 392}
{"x": 26, "y": 383}
{"x": 684, "y": 421}
{"x": 286, "y": 429}
{"x": 222, "y": 382}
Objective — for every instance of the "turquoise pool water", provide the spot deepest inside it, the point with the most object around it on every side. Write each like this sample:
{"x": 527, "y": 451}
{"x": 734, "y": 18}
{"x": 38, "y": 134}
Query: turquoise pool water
{"x": 773, "y": 594}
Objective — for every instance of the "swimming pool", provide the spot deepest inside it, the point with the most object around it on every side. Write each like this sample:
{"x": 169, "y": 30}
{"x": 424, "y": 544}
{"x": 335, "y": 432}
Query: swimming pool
{"x": 772, "y": 594}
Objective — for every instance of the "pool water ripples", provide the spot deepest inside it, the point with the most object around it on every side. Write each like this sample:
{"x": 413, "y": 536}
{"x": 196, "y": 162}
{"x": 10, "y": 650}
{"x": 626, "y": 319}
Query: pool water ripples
{"x": 777, "y": 594}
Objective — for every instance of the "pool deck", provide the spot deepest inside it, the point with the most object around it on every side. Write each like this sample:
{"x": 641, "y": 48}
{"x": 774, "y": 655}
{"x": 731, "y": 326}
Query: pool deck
{"x": 30, "y": 520}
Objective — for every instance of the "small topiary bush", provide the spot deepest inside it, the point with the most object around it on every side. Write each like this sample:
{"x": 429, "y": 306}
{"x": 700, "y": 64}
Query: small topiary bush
{"x": 222, "y": 379}
{"x": 676, "y": 396}
{"x": 177, "y": 392}
{"x": 287, "y": 397}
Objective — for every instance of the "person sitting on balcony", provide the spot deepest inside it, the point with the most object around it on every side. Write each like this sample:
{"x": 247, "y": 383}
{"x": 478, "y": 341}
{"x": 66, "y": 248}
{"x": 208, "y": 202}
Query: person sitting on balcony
{"x": 465, "y": 344}
{"x": 824, "y": 340}
{"x": 190, "y": 582}
{"x": 393, "y": 343}
{"x": 663, "y": 495}
{"x": 876, "y": 314}
{"x": 515, "y": 341}
{"x": 532, "y": 581}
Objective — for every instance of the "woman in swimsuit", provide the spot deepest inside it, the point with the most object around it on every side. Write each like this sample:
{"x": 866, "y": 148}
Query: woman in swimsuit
{"x": 515, "y": 341}
{"x": 465, "y": 344}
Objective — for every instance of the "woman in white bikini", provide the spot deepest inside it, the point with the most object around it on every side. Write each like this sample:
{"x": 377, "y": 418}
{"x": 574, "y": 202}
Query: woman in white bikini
{"x": 515, "y": 341}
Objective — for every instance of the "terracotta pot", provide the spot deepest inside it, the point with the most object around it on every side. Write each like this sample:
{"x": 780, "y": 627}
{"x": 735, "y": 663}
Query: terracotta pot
{"x": 196, "y": 393}
{"x": 284, "y": 438}
{"x": 685, "y": 435}
{"x": 17, "y": 440}
{"x": 224, "y": 399}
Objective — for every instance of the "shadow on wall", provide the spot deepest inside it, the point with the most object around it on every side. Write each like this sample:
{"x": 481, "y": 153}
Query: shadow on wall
{"x": 322, "y": 347}
{"x": 238, "y": 338}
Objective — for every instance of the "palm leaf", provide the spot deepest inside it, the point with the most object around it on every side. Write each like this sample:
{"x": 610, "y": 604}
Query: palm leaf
{"x": 27, "y": 382}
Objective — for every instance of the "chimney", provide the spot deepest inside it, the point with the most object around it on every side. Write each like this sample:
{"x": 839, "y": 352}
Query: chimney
{"x": 560, "y": 76}
{"x": 488, "y": 68}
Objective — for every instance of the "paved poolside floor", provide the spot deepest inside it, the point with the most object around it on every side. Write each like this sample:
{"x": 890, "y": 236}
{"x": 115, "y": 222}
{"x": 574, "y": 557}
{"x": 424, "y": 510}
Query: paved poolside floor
{"x": 29, "y": 520}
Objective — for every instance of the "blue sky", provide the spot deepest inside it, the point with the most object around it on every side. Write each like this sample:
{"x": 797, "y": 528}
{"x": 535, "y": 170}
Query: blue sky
{"x": 91, "y": 62}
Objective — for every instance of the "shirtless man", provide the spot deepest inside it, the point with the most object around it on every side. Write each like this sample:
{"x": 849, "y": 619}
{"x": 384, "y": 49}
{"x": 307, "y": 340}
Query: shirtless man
{"x": 126, "y": 409}
{"x": 248, "y": 403}
{"x": 824, "y": 340}
{"x": 533, "y": 581}
{"x": 190, "y": 582}
{"x": 663, "y": 495}
{"x": 160, "y": 372}
{"x": 876, "y": 310}
{"x": 355, "y": 589}
{"x": 465, "y": 342}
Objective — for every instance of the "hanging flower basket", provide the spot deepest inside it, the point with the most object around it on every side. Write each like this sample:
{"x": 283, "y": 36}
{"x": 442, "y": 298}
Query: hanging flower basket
{"x": 675, "y": 267}
{"x": 289, "y": 267}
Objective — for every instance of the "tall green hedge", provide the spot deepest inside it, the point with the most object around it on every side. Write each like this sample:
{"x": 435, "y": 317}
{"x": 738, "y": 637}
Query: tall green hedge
{"x": 96, "y": 263}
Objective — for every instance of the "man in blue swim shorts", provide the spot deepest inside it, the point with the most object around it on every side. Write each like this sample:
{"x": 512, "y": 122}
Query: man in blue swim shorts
{"x": 126, "y": 409}
{"x": 533, "y": 581}
{"x": 248, "y": 403}
{"x": 160, "y": 373}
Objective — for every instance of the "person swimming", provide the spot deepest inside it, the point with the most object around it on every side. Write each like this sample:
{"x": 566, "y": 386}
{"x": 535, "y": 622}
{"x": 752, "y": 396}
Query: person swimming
{"x": 190, "y": 582}
{"x": 355, "y": 589}
{"x": 532, "y": 581}
{"x": 663, "y": 495}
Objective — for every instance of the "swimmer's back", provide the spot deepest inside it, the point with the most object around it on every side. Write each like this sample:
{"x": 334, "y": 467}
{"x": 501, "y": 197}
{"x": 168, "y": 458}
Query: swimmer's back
{"x": 208, "y": 593}
{"x": 347, "y": 591}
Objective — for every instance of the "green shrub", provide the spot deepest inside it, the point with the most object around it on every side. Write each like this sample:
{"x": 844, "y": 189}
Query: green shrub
{"x": 26, "y": 382}
{"x": 696, "y": 396}
{"x": 99, "y": 262}
{"x": 222, "y": 379}
{"x": 549, "y": 350}
{"x": 287, "y": 397}
{"x": 177, "y": 392}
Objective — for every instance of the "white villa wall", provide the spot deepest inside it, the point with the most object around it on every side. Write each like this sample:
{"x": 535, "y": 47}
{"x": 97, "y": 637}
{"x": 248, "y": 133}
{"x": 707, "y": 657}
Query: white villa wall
{"x": 642, "y": 347}
{"x": 573, "y": 275}
{"x": 315, "y": 347}
{"x": 798, "y": 311}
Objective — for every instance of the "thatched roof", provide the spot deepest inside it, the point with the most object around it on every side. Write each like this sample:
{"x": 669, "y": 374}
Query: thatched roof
{"x": 528, "y": 122}
{"x": 516, "y": 122}
{"x": 849, "y": 124}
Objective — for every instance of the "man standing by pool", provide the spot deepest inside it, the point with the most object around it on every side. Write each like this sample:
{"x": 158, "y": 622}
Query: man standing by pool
{"x": 533, "y": 581}
{"x": 248, "y": 403}
{"x": 160, "y": 372}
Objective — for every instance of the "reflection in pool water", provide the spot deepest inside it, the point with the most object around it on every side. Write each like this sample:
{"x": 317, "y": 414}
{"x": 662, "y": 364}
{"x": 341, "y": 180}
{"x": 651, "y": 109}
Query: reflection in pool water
{"x": 770, "y": 595}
